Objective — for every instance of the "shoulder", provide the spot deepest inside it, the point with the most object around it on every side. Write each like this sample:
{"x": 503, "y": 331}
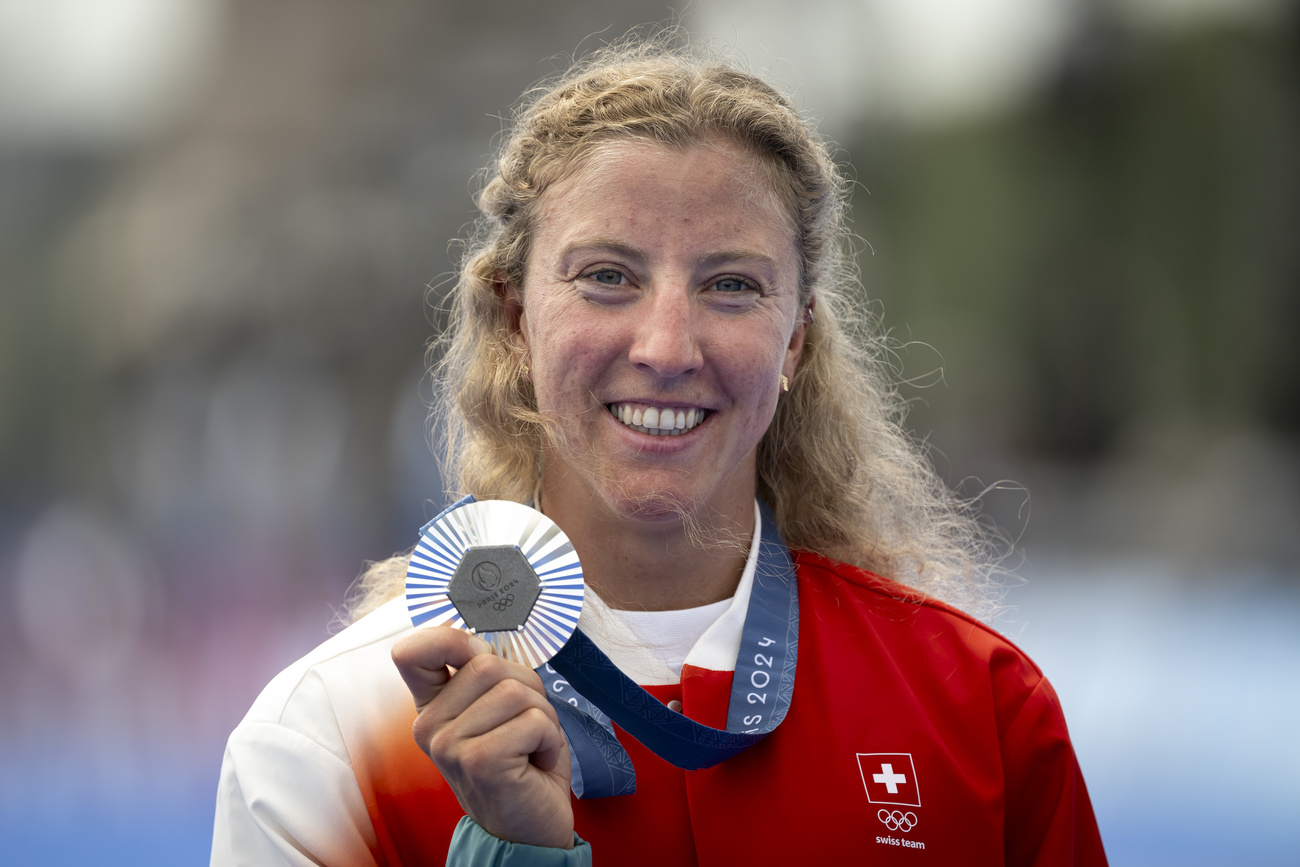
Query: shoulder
{"x": 921, "y": 632}
{"x": 924, "y": 656}
{"x": 317, "y": 696}
{"x": 888, "y": 593}
{"x": 966, "y": 708}
{"x": 291, "y": 788}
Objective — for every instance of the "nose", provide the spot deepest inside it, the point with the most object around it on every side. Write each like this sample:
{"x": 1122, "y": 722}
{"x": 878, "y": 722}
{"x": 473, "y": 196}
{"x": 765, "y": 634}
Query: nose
{"x": 666, "y": 341}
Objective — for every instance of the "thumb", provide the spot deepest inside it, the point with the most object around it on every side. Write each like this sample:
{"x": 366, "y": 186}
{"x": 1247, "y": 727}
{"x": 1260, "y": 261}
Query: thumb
{"x": 423, "y": 657}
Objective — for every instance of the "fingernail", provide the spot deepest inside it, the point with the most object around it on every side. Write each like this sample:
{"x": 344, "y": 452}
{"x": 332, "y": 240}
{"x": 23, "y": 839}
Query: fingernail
{"x": 478, "y": 645}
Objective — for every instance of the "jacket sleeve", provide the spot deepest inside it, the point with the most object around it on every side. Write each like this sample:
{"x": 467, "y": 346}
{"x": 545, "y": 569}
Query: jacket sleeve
{"x": 1049, "y": 817}
{"x": 285, "y": 799}
{"x": 471, "y": 846}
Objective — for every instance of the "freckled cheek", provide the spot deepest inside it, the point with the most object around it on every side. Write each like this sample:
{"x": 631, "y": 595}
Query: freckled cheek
{"x": 754, "y": 358}
{"x": 758, "y": 375}
{"x": 755, "y": 388}
{"x": 568, "y": 371}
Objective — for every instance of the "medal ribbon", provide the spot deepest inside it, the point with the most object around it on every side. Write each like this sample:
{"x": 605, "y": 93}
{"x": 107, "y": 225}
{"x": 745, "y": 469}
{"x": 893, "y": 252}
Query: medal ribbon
{"x": 761, "y": 689}
{"x": 590, "y": 693}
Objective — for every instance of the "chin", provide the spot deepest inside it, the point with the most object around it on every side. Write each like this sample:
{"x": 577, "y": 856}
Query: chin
{"x": 660, "y": 498}
{"x": 649, "y": 503}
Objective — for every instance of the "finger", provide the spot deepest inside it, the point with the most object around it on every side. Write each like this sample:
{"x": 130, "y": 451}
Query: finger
{"x": 506, "y": 700}
{"x": 551, "y": 752}
{"x": 476, "y": 678}
{"x": 483, "y": 695}
{"x": 530, "y": 734}
{"x": 422, "y": 658}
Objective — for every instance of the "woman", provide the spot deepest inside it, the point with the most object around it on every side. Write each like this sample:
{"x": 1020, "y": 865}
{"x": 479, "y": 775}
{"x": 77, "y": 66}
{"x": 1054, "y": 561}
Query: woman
{"x": 649, "y": 340}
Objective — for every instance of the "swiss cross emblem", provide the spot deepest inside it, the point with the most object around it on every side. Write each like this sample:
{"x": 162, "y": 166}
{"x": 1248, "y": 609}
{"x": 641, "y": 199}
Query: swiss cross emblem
{"x": 890, "y": 778}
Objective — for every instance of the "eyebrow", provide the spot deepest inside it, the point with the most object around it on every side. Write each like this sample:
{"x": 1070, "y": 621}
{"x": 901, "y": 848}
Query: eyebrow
{"x": 636, "y": 255}
{"x": 603, "y": 245}
{"x": 744, "y": 257}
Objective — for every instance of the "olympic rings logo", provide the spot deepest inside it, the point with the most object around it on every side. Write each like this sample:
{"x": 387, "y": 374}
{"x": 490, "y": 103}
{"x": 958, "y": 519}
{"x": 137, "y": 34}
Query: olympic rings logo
{"x": 505, "y": 602}
{"x": 897, "y": 821}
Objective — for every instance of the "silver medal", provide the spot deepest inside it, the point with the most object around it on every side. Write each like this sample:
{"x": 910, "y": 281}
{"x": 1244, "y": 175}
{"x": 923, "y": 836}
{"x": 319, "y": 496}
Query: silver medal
{"x": 503, "y": 571}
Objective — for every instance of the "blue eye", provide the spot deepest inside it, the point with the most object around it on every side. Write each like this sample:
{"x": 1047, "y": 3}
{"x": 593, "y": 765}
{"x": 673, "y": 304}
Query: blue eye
{"x": 731, "y": 284}
{"x": 609, "y": 277}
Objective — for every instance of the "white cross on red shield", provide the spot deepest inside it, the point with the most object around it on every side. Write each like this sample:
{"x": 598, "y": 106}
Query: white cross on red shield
{"x": 890, "y": 778}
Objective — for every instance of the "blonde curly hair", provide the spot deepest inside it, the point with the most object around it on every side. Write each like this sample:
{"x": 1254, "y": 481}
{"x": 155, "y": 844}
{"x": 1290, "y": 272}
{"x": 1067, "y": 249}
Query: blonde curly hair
{"x": 840, "y": 473}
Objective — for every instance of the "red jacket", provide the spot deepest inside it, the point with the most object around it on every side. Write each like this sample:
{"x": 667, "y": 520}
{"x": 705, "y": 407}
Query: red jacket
{"x": 915, "y": 736}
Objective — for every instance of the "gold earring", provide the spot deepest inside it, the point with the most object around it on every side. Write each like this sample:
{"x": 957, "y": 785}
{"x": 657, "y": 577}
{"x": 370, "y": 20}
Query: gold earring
{"x": 785, "y": 383}
{"x": 523, "y": 368}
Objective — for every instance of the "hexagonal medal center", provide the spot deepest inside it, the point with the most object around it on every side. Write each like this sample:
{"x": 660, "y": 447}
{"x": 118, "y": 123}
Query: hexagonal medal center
{"x": 494, "y": 588}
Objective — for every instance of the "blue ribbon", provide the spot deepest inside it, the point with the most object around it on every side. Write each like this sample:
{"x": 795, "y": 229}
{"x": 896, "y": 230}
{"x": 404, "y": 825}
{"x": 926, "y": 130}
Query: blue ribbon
{"x": 590, "y": 693}
{"x": 761, "y": 689}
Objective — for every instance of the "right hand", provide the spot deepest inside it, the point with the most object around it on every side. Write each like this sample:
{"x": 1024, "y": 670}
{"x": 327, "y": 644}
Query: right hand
{"x": 493, "y": 735}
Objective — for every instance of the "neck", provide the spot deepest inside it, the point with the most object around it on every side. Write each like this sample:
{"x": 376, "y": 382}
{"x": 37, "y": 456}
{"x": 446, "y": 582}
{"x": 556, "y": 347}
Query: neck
{"x": 662, "y": 564}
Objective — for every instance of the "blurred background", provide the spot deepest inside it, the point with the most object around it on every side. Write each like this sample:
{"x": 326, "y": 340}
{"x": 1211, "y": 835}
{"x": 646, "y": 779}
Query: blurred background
{"x": 222, "y": 223}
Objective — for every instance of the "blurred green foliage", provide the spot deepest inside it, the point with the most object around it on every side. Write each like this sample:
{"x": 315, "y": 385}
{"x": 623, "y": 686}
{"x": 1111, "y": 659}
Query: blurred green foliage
{"x": 1118, "y": 254}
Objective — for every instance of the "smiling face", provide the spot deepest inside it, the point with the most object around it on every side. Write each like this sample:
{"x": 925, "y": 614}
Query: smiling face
{"x": 659, "y": 311}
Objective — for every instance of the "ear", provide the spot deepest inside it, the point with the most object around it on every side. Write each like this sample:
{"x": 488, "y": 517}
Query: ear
{"x": 795, "y": 348}
{"x": 516, "y": 319}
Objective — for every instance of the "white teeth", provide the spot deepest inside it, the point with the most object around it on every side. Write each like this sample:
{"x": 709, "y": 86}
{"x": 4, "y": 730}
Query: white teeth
{"x": 654, "y": 420}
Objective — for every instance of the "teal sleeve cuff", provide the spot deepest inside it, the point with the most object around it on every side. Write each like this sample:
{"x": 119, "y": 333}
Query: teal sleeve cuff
{"x": 471, "y": 846}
